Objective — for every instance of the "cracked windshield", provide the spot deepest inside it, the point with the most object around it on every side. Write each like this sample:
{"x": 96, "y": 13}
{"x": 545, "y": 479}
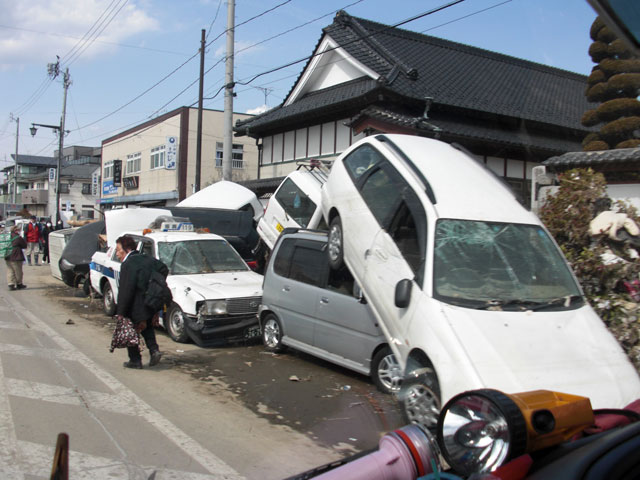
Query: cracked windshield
{"x": 343, "y": 240}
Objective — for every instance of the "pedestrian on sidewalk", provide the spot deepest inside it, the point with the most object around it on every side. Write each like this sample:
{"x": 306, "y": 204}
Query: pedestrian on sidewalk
{"x": 15, "y": 259}
{"x": 32, "y": 235}
{"x": 45, "y": 242}
{"x": 135, "y": 271}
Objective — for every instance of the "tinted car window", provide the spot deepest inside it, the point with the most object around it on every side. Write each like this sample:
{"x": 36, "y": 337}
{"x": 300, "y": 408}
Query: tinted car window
{"x": 361, "y": 160}
{"x": 295, "y": 202}
{"x": 408, "y": 229}
{"x": 308, "y": 265}
{"x": 282, "y": 262}
{"x": 381, "y": 193}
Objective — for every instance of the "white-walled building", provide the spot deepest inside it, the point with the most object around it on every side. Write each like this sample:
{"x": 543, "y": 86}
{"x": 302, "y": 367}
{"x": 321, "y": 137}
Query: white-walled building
{"x": 157, "y": 159}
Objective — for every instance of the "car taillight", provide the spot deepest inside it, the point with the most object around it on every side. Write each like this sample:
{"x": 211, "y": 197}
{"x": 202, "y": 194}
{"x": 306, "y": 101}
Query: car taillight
{"x": 253, "y": 265}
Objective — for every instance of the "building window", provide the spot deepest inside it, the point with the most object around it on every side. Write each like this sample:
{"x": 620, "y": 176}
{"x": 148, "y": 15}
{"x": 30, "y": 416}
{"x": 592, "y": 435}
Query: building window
{"x": 86, "y": 189}
{"x": 64, "y": 188}
{"x": 87, "y": 211}
{"x": 133, "y": 163}
{"x": 236, "y": 155}
{"x": 157, "y": 156}
{"x": 108, "y": 170}
{"x": 40, "y": 186}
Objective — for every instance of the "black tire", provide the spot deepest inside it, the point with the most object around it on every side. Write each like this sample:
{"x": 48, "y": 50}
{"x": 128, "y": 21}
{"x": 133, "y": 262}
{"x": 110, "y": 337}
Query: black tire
{"x": 335, "y": 250}
{"x": 272, "y": 334}
{"x": 175, "y": 325}
{"x": 386, "y": 373}
{"x": 108, "y": 300}
{"x": 420, "y": 394}
{"x": 86, "y": 286}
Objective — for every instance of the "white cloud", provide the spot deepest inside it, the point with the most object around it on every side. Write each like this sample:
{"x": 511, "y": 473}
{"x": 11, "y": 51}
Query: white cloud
{"x": 258, "y": 110}
{"x": 35, "y": 31}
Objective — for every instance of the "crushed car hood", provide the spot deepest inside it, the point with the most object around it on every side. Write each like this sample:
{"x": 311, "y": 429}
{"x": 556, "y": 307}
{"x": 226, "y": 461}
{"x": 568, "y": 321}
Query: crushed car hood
{"x": 219, "y": 285}
{"x": 564, "y": 351}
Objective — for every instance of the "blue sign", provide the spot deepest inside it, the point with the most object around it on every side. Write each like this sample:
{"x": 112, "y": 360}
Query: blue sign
{"x": 171, "y": 148}
{"x": 108, "y": 188}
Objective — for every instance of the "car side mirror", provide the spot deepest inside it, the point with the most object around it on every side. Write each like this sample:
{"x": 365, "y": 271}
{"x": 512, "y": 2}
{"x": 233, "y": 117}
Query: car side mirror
{"x": 403, "y": 293}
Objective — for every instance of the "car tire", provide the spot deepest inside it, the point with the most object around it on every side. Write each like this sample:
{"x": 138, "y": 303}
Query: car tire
{"x": 86, "y": 286}
{"x": 420, "y": 395}
{"x": 108, "y": 300}
{"x": 386, "y": 372}
{"x": 272, "y": 334}
{"x": 335, "y": 250}
{"x": 175, "y": 324}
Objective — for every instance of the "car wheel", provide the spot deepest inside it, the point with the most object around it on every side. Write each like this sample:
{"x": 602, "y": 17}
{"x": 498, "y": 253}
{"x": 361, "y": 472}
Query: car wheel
{"x": 86, "y": 286}
{"x": 272, "y": 334}
{"x": 175, "y": 324}
{"x": 386, "y": 372}
{"x": 108, "y": 300}
{"x": 420, "y": 396}
{"x": 335, "y": 249}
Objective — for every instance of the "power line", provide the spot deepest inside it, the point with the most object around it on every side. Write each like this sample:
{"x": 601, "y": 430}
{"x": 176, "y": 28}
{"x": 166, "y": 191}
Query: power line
{"x": 416, "y": 17}
{"x": 213, "y": 21}
{"x": 466, "y": 16}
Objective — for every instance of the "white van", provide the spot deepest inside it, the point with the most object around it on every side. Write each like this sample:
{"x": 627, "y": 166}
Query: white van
{"x": 296, "y": 203}
{"x": 469, "y": 288}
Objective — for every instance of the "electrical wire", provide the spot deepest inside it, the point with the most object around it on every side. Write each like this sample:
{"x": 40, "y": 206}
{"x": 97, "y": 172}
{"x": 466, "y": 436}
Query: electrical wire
{"x": 387, "y": 27}
{"x": 213, "y": 21}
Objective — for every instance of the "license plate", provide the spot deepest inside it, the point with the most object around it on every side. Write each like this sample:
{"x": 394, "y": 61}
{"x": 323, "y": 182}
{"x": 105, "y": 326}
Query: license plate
{"x": 252, "y": 332}
{"x": 279, "y": 227}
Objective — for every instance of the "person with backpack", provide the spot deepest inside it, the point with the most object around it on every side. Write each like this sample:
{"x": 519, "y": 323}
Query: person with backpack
{"x": 14, "y": 259}
{"x": 135, "y": 272}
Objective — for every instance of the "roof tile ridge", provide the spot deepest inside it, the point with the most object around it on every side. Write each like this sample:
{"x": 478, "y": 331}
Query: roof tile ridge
{"x": 479, "y": 51}
{"x": 367, "y": 37}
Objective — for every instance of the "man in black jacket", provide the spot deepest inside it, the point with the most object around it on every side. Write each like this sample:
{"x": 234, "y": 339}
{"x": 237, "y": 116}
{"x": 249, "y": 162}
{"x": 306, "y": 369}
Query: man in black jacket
{"x": 134, "y": 279}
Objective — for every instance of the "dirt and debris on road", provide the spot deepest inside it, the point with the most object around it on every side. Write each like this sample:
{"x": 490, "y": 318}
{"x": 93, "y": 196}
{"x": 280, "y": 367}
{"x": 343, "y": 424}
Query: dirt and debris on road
{"x": 330, "y": 404}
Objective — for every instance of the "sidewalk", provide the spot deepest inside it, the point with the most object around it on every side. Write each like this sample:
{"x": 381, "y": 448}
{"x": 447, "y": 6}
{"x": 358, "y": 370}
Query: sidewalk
{"x": 48, "y": 386}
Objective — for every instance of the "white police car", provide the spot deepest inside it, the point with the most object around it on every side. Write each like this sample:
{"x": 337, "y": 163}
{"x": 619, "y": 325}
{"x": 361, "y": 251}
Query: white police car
{"x": 215, "y": 294}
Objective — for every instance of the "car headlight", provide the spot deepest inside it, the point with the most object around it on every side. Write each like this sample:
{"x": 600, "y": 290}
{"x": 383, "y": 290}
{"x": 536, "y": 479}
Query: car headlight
{"x": 482, "y": 429}
{"x": 213, "y": 307}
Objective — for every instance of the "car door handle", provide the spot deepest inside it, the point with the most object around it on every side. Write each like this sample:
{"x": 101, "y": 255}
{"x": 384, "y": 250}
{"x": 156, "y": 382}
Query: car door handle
{"x": 324, "y": 300}
{"x": 286, "y": 288}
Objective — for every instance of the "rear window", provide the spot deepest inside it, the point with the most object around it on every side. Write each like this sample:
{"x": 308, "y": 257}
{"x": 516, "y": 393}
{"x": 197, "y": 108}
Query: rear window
{"x": 295, "y": 202}
{"x": 302, "y": 260}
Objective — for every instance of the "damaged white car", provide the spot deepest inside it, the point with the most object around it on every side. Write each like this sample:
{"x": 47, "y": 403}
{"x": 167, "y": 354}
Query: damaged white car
{"x": 215, "y": 294}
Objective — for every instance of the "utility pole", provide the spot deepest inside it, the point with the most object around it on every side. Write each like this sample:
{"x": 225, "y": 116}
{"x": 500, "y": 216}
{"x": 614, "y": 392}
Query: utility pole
{"x": 228, "y": 95}
{"x": 54, "y": 70}
{"x": 15, "y": 165}
{"x": 199, "y": 135}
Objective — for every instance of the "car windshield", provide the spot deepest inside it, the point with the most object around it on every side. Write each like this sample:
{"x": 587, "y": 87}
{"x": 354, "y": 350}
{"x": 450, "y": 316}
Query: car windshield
{"x": 200, "y": 256}
{"x": 484, "y": 265}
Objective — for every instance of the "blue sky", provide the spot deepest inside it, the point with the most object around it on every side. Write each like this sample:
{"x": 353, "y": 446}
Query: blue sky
{"x": 143, "y": 41}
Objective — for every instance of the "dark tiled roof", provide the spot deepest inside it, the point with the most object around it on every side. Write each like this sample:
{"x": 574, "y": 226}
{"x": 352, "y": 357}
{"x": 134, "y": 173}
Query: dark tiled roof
{"x": 323, "y": 100}
{"x": 415, "y": 66}
{"x": 472, "y": 130}
{"x": 597, "y": 158}
{"x": 35, "y": 160}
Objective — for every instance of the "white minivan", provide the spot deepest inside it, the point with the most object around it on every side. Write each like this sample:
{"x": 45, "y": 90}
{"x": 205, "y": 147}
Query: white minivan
{"x": 469, "y": 288}
{"x": 295, "y": 204}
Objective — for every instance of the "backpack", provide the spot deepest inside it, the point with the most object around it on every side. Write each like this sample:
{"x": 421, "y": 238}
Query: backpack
{"x": 6, "y": 244}
{"x": 158, "y": 293}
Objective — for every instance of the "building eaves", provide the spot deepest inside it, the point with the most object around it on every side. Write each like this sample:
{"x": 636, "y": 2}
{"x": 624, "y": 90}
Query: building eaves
{"x": 34, "y": 160}
{"x": 595, "y": 158}
{"x": 311, "y": 104}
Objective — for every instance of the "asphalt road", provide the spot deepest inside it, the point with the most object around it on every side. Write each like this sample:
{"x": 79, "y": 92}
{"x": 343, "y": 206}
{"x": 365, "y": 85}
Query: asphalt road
{"x": 228, "y": 412}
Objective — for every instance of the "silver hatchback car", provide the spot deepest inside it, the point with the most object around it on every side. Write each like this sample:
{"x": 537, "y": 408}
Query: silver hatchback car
{"x": 312, "y": 308}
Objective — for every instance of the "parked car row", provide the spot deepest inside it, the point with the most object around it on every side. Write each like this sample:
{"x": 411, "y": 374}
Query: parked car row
{"x": 409, "y": 262}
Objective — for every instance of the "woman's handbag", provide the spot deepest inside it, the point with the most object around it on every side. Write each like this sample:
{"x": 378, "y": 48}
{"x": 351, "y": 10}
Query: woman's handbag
{"x": 124, "y": 335}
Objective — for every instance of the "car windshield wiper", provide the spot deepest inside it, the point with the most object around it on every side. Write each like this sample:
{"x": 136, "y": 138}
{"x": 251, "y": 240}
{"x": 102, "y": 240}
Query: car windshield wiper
{"x": 514, "y": 302}
{"x": 564, "y": 302}
{"x": 532, "y": 305}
